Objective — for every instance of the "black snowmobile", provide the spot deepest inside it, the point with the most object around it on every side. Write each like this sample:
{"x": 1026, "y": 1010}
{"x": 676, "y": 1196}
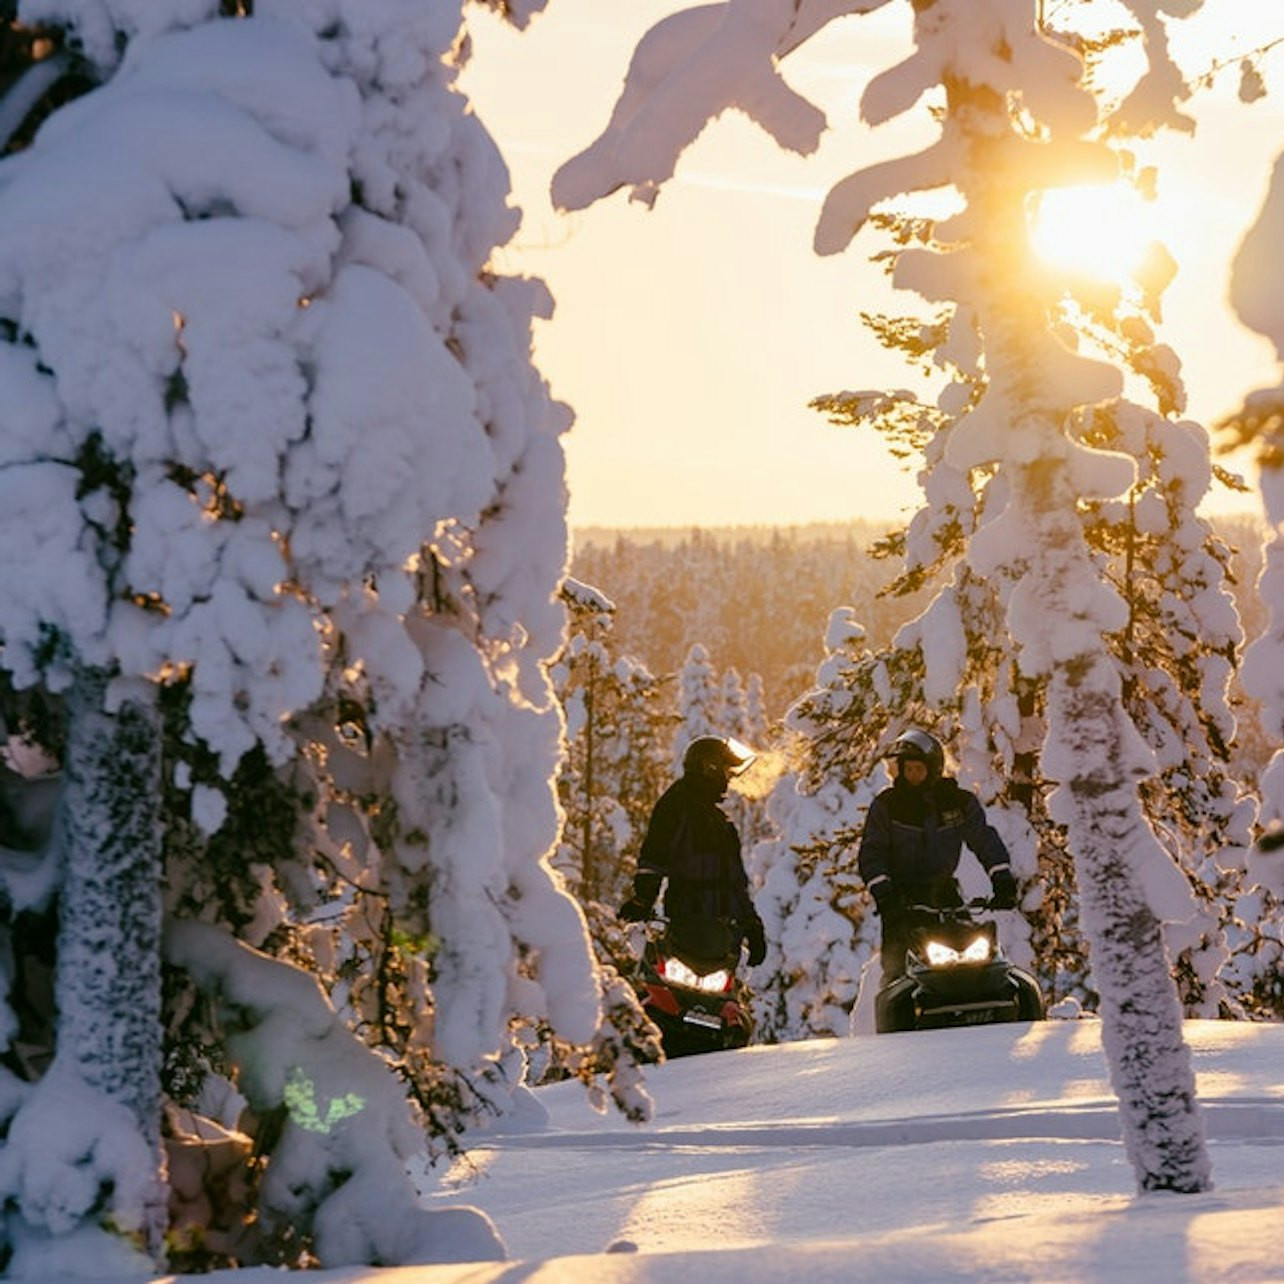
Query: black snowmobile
{"x": 955, "y": 974}
{"x": 687, "y": 979}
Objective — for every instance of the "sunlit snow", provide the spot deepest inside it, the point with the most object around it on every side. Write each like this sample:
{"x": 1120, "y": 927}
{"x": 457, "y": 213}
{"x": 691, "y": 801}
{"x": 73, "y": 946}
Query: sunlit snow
{"x": 978, "y": 1154}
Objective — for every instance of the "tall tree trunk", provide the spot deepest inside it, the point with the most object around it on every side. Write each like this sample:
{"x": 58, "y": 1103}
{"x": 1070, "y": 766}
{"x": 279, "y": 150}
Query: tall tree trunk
{"x": 589, "y": 890}
{"x": 108, "y": 977}
{"x": 1092, "y": 752}
{"x": 1111, "y": 840}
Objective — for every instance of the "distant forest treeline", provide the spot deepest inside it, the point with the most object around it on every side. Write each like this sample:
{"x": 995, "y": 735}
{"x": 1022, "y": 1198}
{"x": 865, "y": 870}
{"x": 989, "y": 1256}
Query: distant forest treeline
{"x": 758, "y": 598}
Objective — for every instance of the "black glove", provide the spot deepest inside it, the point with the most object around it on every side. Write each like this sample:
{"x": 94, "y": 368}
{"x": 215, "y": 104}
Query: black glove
{"x": 641, "y": 903}
{"x": 756, "y": 940}
{"x": 1005, "y": 889}
{"x": 886, "y": 900}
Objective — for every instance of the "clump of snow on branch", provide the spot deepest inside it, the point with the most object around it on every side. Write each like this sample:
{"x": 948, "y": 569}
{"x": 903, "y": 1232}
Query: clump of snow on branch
{"x": 689, "y": 69}
{"x": 71, "y": 1153}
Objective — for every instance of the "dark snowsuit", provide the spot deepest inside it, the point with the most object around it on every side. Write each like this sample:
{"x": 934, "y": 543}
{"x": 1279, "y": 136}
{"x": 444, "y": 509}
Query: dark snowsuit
{"x": 690, "y": 841}
{"x": 910, "y": 849}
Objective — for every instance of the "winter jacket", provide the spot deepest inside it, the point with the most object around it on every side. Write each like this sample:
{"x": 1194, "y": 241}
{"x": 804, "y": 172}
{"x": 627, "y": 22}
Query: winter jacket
{"x": 691, "y": 842}
{"x": 913, "y": 837}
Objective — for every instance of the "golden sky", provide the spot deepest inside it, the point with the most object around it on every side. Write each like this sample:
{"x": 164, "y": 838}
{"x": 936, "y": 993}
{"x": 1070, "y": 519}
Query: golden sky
{"x": 688, "y": 339}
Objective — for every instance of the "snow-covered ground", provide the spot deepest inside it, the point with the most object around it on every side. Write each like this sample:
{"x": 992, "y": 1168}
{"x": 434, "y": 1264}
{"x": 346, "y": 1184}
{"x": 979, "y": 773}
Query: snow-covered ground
{"x": 985, "y": 1155}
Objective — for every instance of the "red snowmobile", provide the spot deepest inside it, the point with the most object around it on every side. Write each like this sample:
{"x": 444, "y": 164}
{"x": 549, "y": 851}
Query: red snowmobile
{"x": 687, "y": 979}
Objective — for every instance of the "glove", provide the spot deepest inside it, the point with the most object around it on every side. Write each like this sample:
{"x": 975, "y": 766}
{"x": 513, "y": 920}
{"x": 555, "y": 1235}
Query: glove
{"x": 756, "y": 940}
{"x": 886, "y": 901}
{"x": 1005, "y": 889}
{"x": 641, "y": 903}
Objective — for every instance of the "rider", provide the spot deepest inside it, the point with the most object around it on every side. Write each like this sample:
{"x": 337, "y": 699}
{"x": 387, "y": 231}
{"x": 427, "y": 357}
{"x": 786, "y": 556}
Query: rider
{"x": 691, "y": 842}
{"x": 914, "y": 832}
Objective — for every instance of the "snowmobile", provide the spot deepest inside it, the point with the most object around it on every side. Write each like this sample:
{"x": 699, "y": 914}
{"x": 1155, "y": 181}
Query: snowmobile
{"x": 687, "y": 979}
{"x": 955, "y": 975}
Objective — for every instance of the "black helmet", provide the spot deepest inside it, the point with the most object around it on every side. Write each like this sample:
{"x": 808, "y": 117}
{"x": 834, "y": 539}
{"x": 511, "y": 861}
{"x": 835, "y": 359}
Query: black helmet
{"x": 922, "y": 747}
{"x": 707, "y": 755}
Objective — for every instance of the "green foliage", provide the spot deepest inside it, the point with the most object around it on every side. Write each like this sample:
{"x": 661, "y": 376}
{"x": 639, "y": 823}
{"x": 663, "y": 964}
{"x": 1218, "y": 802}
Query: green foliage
{"x": 906, "y": 423}
{"x": 310, "y": 1114}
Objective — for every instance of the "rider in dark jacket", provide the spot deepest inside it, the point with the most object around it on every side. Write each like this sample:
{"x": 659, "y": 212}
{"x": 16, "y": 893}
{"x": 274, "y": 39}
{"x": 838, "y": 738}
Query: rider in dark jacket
{"x": 690, "y": 842}
{"x": 914, "y": 833}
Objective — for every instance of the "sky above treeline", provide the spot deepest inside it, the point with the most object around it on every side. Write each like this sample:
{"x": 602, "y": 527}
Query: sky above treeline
{"x": 689, "y": 338}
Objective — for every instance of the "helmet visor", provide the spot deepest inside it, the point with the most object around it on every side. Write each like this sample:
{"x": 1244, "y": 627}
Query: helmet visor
{"x": 913, "y": 744}
{"x": 739, "y": 757}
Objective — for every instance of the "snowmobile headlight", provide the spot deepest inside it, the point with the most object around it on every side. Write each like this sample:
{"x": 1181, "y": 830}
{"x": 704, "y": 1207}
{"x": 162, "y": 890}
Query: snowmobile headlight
{"x": 712, "y": 982}
{"x": 941, "y": 955}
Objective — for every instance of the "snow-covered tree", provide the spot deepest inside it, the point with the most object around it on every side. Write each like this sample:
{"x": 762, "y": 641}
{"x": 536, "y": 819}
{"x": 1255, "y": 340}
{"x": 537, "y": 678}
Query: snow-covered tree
{"x": 1175, "y": 653}
{"x": 1256, "y": 296}
{"x": 1058, "y": 610}
{"x": 617, "y": 761}
{"x": 756, "y": 721}
{"x": 1014, "y": 120}
{"x": 283, "y": 520}
{"x": 734, "y": 712}
{"x": 818, "y": 926}
{"x": 699, "y": 702}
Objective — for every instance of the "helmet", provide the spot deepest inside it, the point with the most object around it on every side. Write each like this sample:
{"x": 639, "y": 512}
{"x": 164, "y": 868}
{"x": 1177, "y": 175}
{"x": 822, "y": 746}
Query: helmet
{"x": 706, "y": 755}
{"x": 921, "y": 747}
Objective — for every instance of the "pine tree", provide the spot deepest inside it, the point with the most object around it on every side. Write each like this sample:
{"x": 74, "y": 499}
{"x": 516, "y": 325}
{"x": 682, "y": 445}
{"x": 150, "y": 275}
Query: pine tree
{"x": 283, "y": 525}
{"x": 614, "y": 767}
{"x": 699, "y": 702}
{"x": 1255, "y": 296}
{"x": 819, "y": 931}
{"x": 1261, "y": 421}
{"x": 1014, "y": 122}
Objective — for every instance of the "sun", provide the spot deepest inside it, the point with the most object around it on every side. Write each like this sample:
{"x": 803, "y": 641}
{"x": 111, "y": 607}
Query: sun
{"x": 1101, "y": 232}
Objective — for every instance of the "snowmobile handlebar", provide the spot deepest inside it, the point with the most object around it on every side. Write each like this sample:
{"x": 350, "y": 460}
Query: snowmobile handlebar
{"x": 943, "y": 913}
{"x": 658, "y": 922}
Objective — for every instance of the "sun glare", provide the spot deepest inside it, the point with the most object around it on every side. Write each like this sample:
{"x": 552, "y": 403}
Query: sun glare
{"x": 1100, "y": 232}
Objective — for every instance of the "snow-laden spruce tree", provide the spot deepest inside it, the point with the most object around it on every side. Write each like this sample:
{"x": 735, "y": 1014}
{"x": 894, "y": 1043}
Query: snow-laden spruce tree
{"x": 596, "y": 825}
{"x": 699, "y": 702}
{"x": 956, "y": 667}
{"x": 617, "y": 740}
{"x": 1024, "y": 426}
{"x": 1014, "y": 120}
{"x": 615, "y": 765}
{"x": 952, "y": 667}
{"x": 818, "y": 929}
{"x": 278, "y": 481}
{"x": 806, "y": 986}
{"x": 734, "y": 715}
{"x": 1259, "y": 300}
